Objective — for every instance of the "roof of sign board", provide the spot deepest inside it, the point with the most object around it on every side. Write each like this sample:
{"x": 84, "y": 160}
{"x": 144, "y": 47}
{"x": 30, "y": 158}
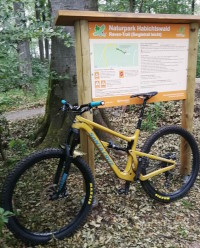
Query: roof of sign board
{"x": 69, "y": 17}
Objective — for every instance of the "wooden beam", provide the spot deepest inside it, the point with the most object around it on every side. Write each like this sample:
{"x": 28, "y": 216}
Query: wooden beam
{"x": 84, "y": 83}
{"x": 188, "y": 104}
{"x": 69, "y": 17}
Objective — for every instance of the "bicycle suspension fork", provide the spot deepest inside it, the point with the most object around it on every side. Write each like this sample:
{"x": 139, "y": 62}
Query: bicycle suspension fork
{"x": 73, "y": 140}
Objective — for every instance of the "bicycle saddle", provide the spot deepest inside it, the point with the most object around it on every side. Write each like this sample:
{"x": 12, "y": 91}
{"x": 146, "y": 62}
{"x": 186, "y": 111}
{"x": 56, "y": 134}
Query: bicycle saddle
{"x": 147, "y": 95}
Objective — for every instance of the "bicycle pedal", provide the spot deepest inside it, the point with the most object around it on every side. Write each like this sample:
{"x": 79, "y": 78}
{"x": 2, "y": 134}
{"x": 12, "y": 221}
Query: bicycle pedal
{"x": 124, "y": 190}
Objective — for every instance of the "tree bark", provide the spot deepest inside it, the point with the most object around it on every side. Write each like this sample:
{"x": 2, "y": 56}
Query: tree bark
{"x": 40, "y": 40}
{"x": 23, "y": 49}
{"x": 3, "y": 155}
{"x": 193, "y": 6}
{"x": 41, "y": 49}
{"x": 46, "y": 41}
{"x": 132, "y": 5}
{"x": 141, "y": 6}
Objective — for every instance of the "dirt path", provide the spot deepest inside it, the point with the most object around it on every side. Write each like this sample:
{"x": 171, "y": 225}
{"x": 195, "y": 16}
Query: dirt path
{"x": 24, "y": 114}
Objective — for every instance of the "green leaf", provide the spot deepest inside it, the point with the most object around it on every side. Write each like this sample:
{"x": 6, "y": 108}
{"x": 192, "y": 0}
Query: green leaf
{"x": 1, "y": 211}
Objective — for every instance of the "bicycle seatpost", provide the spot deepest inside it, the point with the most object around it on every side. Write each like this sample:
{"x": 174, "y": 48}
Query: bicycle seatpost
{"x": 139, "y": 123}
{"x": 145, "y": 97}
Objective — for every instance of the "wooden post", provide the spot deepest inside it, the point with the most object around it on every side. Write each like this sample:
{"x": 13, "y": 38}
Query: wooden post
{"x": 188, "y": 104}
{"x": 84, "y": 83}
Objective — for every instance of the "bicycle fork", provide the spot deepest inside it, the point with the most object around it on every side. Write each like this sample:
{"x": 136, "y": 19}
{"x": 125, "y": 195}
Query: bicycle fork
{"x": 60, "y": 180}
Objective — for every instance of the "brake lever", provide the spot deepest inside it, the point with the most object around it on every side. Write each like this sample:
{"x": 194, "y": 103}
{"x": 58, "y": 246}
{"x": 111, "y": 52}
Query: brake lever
{"x": 63, "y": 108}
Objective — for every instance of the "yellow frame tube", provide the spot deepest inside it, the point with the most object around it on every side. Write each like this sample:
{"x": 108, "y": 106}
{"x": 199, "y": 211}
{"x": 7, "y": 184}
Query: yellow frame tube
{"x": 105, "y": 129}
{"x": 129, "y": 172}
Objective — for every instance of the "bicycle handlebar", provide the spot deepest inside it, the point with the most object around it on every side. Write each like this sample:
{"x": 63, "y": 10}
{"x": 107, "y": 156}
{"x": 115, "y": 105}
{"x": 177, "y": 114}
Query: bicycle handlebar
{"x": 96, "y": 104}
{"x": 83, "y": 108}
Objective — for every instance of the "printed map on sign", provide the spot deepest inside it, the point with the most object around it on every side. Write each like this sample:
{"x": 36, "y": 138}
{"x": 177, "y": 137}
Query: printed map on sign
{"x": 115, "y": 55}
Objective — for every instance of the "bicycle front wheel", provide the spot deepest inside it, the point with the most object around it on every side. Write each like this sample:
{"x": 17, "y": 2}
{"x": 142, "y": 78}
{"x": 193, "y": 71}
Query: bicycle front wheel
{"x": 28, "y": 192}
{"x": 174, "y": 143}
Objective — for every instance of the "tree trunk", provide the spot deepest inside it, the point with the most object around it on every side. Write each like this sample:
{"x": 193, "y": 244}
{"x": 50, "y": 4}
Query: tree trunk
{"x": 141, "y": 6}
{"x": 193, "y": 6}
{"x": 132, "y": 5}
{"x": 24, "y": 56}
{"x": 25, "y": 65}
{"x": 2, "y": 152}
{"x": 54, "y": 126}
{"x": 41, "y": 49}
{"x": 46, "y": 41}
{"x": 40, "y": 40}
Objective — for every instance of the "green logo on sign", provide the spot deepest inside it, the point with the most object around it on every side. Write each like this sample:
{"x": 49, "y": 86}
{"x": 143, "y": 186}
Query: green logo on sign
{"x": 181, "y": 30}
{"x": 99, "y": 31}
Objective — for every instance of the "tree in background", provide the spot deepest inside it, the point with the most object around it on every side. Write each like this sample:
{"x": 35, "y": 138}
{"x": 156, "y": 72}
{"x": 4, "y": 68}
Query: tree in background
{"x": 22, "y": 24}
{"x": 17, "y": 30}
{"x": 23, "y": 48}
{"x": 42, "y": 14}
{"x": 62, "y": 82}
{"x": 38, "y": 18}
{"x": 15, "y": 58}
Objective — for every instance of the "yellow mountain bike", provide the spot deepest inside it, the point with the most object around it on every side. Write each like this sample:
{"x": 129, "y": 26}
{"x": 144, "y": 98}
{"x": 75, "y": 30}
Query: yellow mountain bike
{"x": 52, "y": 191}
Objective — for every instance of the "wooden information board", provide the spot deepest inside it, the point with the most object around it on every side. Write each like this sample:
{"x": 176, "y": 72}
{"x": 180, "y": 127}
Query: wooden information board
{"x": 179, "y": 30}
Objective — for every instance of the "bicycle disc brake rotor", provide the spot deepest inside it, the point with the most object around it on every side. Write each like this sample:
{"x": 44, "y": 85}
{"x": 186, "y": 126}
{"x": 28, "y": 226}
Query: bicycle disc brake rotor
{"x": 47, "y": 196}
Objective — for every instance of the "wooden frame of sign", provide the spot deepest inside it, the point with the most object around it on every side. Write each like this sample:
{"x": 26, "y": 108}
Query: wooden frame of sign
{"x": 80, "y": 20}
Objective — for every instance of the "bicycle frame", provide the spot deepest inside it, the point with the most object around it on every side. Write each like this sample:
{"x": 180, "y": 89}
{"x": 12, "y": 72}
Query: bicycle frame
{"x": 132, "y": 164}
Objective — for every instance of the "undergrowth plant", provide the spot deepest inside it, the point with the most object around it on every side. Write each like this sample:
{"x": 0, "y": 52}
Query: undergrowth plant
{"x": 4, "y": 216}
{"x": 153, "y": 113}
{"x": 18, "y": 146}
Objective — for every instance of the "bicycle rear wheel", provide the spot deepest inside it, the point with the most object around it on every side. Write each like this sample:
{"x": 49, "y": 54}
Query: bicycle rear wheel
{"x": 167, "y": 143}
{"x": 28, "y": 193}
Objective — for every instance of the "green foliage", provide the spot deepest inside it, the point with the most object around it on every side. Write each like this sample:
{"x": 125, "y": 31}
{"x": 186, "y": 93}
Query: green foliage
{"x": 4, "y": 215}
{"x": 9, "y": 75}
{"x": 15, "y": 94}
{"x": 150, "y": 6}
{"x": 16, "y": 98}
{"x": 187, "y": 204}
{"x": 152, "y": 114}
{"x": 18, "y": 146}
{"x": 114, "y": 6}
{"x": 40, "y": 77}
{"x": 18, "y": 26}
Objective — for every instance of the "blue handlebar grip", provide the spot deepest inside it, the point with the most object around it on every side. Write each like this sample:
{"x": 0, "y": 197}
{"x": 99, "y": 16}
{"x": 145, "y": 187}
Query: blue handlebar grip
{"x": 96, "y": 104}
{"x": 63, "y": 102}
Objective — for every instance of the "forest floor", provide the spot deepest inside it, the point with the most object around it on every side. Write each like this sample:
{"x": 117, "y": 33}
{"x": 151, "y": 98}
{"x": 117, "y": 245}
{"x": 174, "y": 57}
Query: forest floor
{"x": 132, "y": 220}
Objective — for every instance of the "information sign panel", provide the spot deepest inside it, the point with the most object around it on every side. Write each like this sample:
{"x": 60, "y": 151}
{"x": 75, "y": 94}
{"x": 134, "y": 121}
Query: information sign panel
{"x": 130, "y": 58}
